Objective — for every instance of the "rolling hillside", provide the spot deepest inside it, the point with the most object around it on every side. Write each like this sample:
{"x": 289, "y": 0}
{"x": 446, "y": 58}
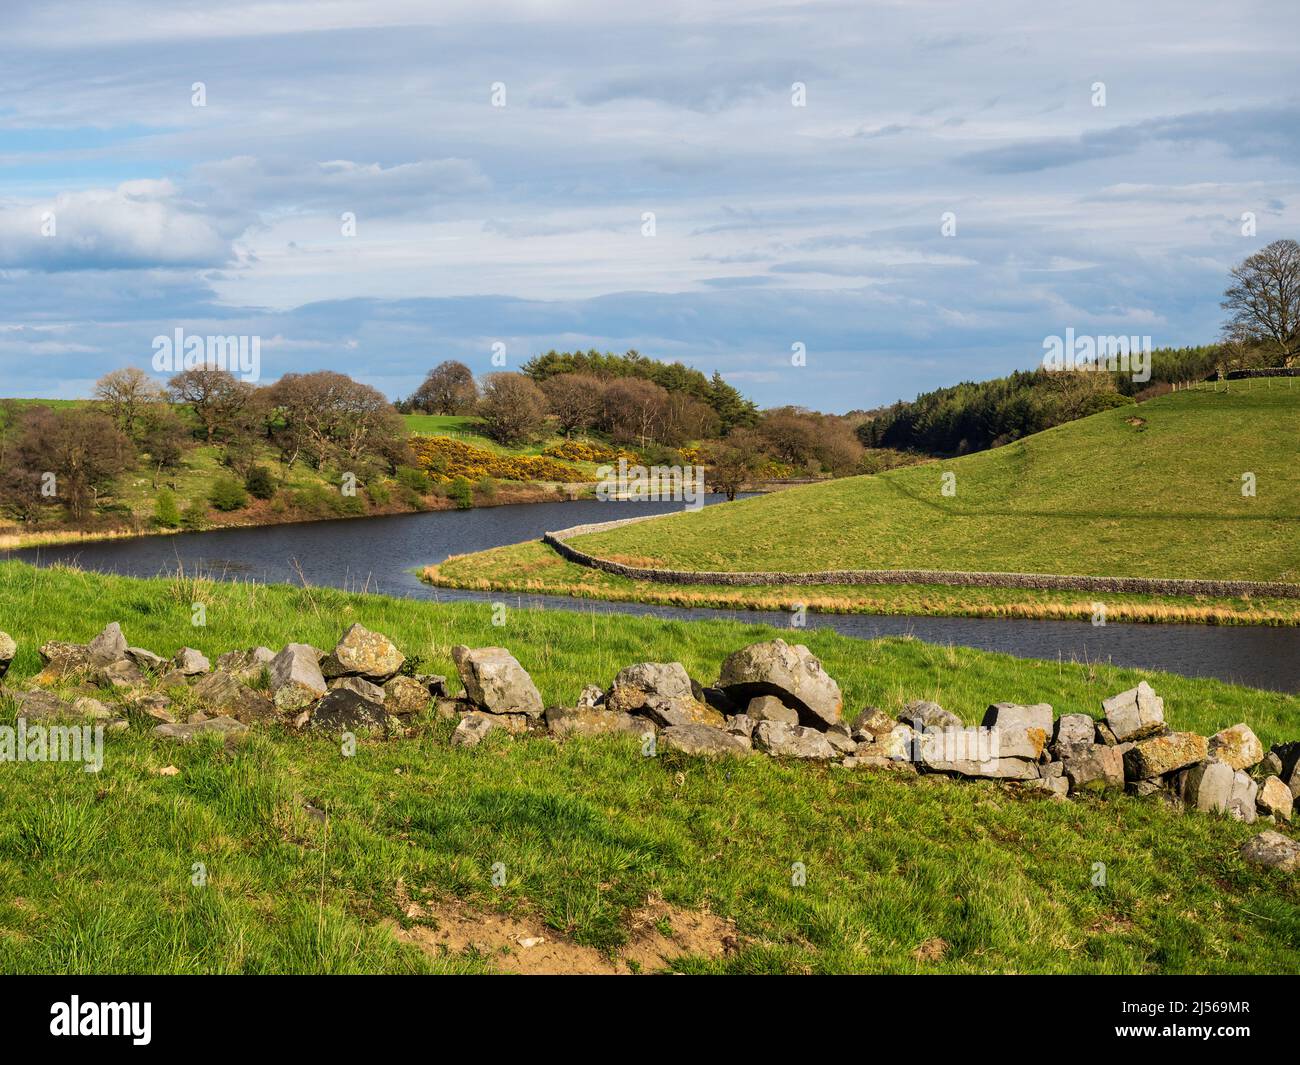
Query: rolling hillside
{"x": 1148, "y": 491}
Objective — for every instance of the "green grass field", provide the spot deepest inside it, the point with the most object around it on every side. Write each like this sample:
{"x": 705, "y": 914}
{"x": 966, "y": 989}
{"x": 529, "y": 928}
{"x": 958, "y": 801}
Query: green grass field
{"x": 1153, "y": 490}
{"x": 96, "y": 871}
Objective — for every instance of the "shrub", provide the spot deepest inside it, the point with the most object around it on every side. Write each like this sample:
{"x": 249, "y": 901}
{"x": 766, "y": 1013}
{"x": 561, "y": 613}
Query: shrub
{"x": 461, "y": 493}
{"x": 227, "y": 494}
{"x": 166, "y": 514}
{"x": 379, "y": 494}
{"x": 260, "y": 483}
{"x": 415, "y": 480}
{"x": 486, "y": 487}
{"x": 195, "y": 516}
{"x": 446, "y": 459}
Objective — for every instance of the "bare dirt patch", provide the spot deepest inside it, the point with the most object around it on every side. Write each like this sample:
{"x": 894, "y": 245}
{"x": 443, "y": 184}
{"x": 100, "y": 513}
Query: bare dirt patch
{"x": 658, "y": 933}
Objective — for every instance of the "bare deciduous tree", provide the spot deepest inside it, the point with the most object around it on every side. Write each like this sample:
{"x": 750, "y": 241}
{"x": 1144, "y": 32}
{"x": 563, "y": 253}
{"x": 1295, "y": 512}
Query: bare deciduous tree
{"x": 124, "y": 395}
{"x": 513, "y": 408}
{"x": 575, "y": 400}
{"x": 1264, "y": 300}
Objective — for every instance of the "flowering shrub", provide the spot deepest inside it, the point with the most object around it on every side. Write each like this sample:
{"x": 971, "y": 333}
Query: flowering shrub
{"x": 589, "y": 451}
{"x": 445, "y": 459}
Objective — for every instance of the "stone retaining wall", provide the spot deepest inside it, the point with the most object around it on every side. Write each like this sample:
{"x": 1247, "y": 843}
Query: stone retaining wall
{"x": 1043, "y": 581}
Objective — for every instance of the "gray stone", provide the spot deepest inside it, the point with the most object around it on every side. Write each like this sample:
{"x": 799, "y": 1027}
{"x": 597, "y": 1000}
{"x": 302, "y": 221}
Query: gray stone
{"x": 1241, "y": 803}
{"x": 38, "y": 705}
{"x": 770, "y": 708}
{"x": 1074, "y": 736}
{"x": 496, "y": 682}
{"x": 226, "y": 694}
{"x": 565, "y": 721}
{"x": 362, "y": 653}
{"x": 63, "y": 659}
{"x": 247, "y": 665}
{"x": 191, "y": 662}
{"x": 1094, "y": 768}
{"x": 1272, "y": 850}
{"x": 591, "y": 696}
{"x": 220, "y": 726}
{"x": 871, "y": 724}
{"x": 841, "y": 743}
{"x": 1019, "y": 731}
{"x": 155, "y": 705}
{"x": 92, "y": 708}
{"x": 1238, "y": 746}
{"x": 364, "y": 688}
{"x": 922, "y": 714}
{"x": 146, "y": 659}
{"x": 793, "y": 674}
{"x": 663, "y": 692}
{"x": 296, "y": 679}
{"x": 1135, "y": 714}
{"x": 792, "y": 741}
{"x": 1275, "y": 799}
{"x": 703, "y": 741}
{"x": 122, "y": 673}
{"x": 343, "y": 710}
{"x": 1207, "y": 786}
{"x": 108, "y": 646}
{"x": 741, "y": 725}
{"x": 473, "y": 729}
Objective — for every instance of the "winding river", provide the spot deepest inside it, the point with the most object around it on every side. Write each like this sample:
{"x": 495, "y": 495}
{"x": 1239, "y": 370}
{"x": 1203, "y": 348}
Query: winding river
{"x": 381, "y": 555}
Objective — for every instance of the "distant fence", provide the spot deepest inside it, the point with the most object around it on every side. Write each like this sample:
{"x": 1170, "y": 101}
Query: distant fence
{"x": 1042, "y": 581}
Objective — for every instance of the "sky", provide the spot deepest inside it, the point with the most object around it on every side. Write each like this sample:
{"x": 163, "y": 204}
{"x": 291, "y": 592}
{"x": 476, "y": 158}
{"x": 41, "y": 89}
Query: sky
{"x": 911, "y": 194}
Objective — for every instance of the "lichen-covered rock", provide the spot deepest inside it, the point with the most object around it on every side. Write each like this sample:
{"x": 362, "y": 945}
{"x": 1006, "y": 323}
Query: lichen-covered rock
{"x": 40, "y": 706}
{"x": 1272, "y": 850}
{"x": 1275, "y": 799}
{"x": 1019, "y": 731}
{"x": 344, "y": 710}
{"x": 146, "y": 659}
{"x": 922, "y": 714}
{"x": 871, "y": 724}
{"x": 703, "y": 741}
{"x": 565, "y": 721}
{"x": 296, "y": 679}
{"x": 108, "y": 646}
{"x": 365, "y": 688}
{"x": 473, "y": 729}
{"x": 120, "y": 673}
{"x": 362, "y": 653}
{"x": 1135, "y": 714}
{"x": 592, "y": 695}
{"x": 496, "y": 682}
{"x": 86, "y": 707}
{"x": 1237, "y": 746}
{"x": 1159, "y": 755}
{"x": 62, "y": 659}
{"x": 1241, "y": 803}
{"x": 247, "y": 665}
{"x": 1207, "y": 786}
{"x": 741, "y": 725}
{"x": 663, "y": 692}
{"x": 793, "y": 674}
{"x": 404, "y": 696}
{"x": 792, "y": 741}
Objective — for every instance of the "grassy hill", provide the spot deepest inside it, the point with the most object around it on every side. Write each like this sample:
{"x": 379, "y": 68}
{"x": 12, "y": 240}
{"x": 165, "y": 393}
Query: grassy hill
{"x": 904, "y": 874}
{"x": 1153, "y": 490}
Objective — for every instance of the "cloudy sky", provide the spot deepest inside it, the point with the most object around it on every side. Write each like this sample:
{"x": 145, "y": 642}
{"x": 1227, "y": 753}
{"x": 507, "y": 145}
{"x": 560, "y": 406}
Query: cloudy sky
{"x": 524, "y": 224}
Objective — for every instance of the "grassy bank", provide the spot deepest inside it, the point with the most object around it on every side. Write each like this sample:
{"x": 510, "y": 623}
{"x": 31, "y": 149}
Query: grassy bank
{"x": 903, "y": 874}
{"x": 1148, "y": 491}
{"x": 535, "y": 568}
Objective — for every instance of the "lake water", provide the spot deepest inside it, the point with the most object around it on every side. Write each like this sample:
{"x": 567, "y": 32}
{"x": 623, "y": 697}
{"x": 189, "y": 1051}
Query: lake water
{"x": 380, "y": 555}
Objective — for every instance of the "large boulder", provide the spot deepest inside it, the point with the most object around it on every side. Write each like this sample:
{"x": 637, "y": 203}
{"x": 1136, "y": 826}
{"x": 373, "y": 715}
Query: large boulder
{"x": 496, "y": 682}
{"x": 792, "y": 741}
{"x": 344, "y": 710}
{"x": 792, "y": 674}
{"x": 8, "y": 649}
{"x": 663, "y": 692}
{"x": 1019, "y": 731}
{"x": 1272, "y": 850}
{"x": 1238, "y": 746}
{"x": 1094, "y": 768}
{"x": 565, "y": 721}
{"x": 1159, "y": 755}
{"x": 296, "y": 679}
{"x": 1242, "y": 801}
{"x": 1207, "y": 787}
{"x": 703, "y": 741}
{"x": 1135, "y": 714}
{"x": 362, "y": 653}
{"x": 972, "y": 753}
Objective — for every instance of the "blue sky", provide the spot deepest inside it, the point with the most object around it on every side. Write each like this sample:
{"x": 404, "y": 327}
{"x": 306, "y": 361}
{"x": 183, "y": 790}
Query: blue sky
{"x": 523, "y": 224}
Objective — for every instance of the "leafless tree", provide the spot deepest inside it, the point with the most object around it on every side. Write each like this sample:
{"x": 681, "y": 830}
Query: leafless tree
{"x": 214, "y": 395}
{"x": 1264, "y": 300}
{"x": 575, "y": 400}
{"x": 124, "y": 395}
{"x": 513, "y": 407}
